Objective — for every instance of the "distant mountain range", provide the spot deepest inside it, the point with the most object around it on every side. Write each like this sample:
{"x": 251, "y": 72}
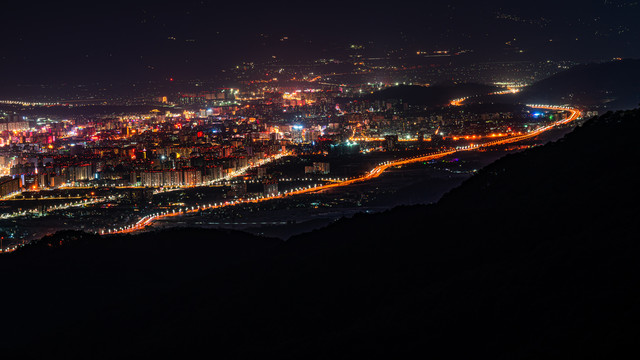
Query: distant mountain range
{"x": 606, "y": 86}
{"x": 610, "y": 86}
{"x": 536, "y": 256}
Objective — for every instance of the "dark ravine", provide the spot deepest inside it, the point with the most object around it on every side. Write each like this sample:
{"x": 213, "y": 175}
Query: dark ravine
{"x": 535, "y": 256}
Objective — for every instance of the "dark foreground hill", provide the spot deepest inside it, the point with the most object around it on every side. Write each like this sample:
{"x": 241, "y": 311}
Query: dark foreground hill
{"x": 613, "y": 85}
{"x": 534, "y": 257}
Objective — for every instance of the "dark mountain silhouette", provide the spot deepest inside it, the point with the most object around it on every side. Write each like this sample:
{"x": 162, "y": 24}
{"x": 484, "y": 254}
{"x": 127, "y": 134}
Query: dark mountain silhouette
{"x": 612, "y": 86}
{"x": 536, "y": 256}
{"x": 436, "y": 95}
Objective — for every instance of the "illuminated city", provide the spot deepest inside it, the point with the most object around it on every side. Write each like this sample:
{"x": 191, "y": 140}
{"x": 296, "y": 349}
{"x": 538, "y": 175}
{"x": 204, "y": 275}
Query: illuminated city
{"x": 111, "y": 170}
{"x": 319, "y": 180}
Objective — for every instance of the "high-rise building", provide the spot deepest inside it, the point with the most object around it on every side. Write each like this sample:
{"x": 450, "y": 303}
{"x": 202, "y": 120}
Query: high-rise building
{"x": 191, "y": 177}
{"x": 9, "y": 185}
{"x": 152, "y": 178}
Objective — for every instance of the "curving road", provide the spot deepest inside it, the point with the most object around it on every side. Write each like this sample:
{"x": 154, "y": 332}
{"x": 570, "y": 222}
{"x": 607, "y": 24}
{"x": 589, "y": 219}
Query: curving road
{"x": 374, "y": 173}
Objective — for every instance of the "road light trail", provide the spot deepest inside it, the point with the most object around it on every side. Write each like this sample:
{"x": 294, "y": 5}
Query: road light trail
{"x": 54, "y": 208}
{"x": 372, "y": 174}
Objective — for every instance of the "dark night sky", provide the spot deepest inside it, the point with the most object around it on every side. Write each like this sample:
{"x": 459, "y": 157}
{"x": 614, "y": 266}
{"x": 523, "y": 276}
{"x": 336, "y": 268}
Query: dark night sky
{"x": 65, "y": 41}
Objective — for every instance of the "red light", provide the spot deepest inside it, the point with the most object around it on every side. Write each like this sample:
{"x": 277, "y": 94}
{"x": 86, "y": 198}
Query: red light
{"x": 170, "y": 79}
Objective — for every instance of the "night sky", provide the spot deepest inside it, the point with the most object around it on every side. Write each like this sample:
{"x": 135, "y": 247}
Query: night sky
{"x": 62, "y": 41}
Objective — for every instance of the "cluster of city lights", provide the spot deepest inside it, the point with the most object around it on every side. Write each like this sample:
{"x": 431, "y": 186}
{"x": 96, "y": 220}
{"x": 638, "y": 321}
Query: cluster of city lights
{"x": 375, "y": 172}
{"x": 329, "y": 182}
{"x": 239, "y": 172}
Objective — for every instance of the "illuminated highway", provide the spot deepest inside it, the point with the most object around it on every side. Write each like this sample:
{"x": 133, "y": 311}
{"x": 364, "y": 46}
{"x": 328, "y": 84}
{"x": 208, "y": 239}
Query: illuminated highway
{"x": 372, "y": 174}
{"x": 82, "y": 202}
